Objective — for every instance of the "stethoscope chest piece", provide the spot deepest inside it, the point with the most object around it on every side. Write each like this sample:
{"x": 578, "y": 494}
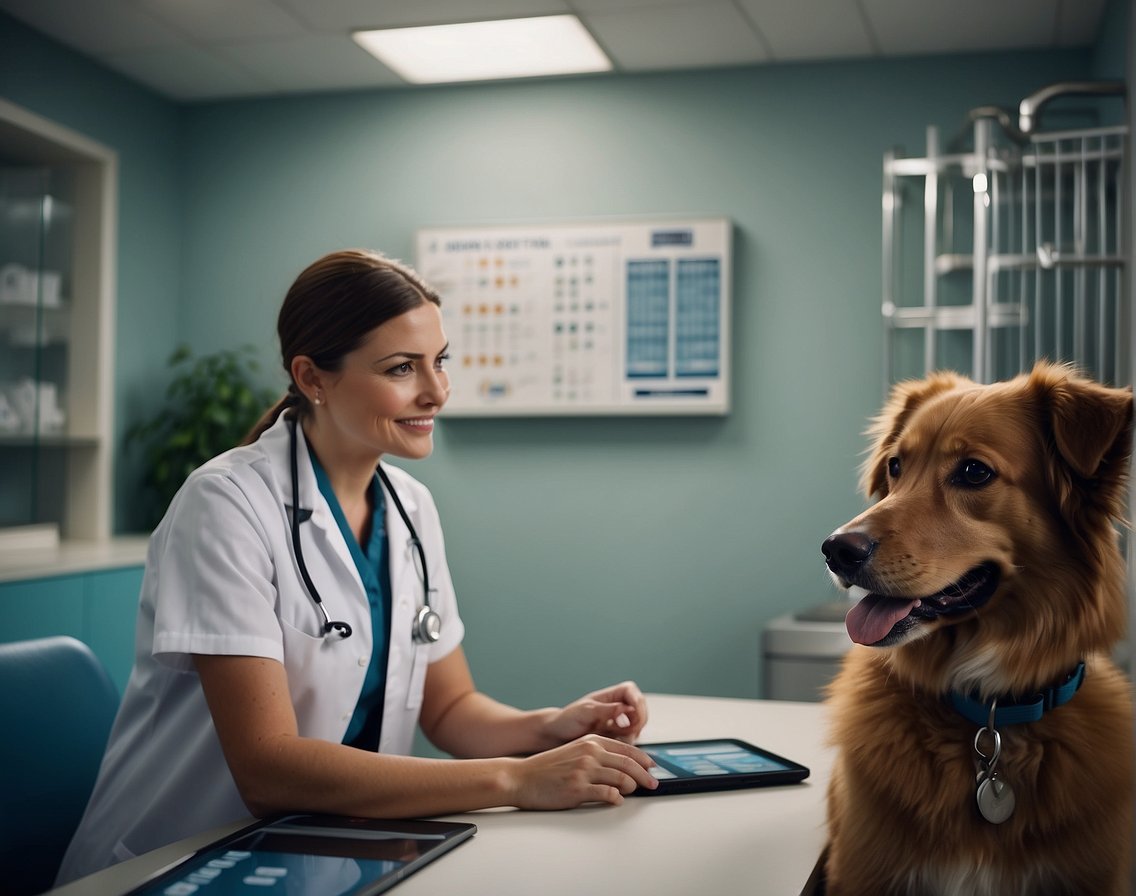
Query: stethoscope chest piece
{"x": 427, "y": 626}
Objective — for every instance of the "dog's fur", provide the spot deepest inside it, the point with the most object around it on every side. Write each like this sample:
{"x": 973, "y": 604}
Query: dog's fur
{"x": 1039, "y": 512}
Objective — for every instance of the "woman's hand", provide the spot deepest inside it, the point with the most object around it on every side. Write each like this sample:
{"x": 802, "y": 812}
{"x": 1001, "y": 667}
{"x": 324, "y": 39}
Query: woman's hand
{"x": 592, "y": 769}
{"x": 618, "y": 712}
{"x": 462, "y": 721}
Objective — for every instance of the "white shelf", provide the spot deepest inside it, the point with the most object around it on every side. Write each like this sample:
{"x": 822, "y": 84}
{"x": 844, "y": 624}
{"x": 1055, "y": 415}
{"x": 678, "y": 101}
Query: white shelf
{"x": 73, "y": 557}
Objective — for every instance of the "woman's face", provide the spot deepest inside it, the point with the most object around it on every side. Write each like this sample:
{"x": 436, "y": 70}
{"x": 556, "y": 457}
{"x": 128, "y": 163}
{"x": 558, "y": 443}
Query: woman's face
{"x": 385, "y": 397}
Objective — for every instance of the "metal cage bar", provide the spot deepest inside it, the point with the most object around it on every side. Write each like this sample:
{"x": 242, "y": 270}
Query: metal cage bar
{"x": 1043, "y": 244}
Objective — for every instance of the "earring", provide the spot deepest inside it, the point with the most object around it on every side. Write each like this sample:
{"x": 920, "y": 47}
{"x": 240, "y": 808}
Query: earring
{"x": 318, "y": 399}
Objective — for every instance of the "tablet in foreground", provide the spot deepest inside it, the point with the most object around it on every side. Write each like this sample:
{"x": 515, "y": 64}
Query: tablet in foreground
{"x": 328, "y": 855}
{"x": 692, "y": 766}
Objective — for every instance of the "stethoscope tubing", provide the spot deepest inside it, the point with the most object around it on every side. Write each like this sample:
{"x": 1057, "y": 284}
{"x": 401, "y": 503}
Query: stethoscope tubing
{"x": 427, "y": 622}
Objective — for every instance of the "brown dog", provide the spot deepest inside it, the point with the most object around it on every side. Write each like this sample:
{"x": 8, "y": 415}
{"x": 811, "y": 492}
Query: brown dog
{"x": 988, "y": 572}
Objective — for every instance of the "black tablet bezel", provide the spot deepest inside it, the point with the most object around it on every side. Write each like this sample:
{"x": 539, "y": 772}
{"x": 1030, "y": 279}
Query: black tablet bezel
{"x": 453, "y": 832}
{"x": 793, "y": 772}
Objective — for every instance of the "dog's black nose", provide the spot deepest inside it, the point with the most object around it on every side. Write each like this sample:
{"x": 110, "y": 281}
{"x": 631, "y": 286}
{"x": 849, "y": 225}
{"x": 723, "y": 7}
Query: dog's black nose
{"x": 847, "y": 552}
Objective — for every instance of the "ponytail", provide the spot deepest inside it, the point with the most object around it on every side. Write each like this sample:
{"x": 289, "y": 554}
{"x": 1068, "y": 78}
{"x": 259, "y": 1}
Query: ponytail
{"x": 293, "y": 398}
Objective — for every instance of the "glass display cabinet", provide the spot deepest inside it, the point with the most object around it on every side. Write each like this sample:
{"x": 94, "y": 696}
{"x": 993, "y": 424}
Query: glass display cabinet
{"x": 36, "y": 219}
{"x": 57, "y": 192}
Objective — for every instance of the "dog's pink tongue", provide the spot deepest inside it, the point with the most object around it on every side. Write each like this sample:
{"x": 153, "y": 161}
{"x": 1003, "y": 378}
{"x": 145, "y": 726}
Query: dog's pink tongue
{"x": 871, "y": 619}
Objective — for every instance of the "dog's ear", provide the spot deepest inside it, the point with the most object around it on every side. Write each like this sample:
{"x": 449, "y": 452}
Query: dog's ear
{"x": 1091, "y": 426}
{"x": 885, "y": 428}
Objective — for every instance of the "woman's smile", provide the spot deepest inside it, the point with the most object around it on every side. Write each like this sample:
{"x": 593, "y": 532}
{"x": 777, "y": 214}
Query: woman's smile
{"x": 419, "y": 424}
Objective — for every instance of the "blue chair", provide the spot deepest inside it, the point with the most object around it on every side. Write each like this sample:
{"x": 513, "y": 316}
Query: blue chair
{"x": 57, "y": 703}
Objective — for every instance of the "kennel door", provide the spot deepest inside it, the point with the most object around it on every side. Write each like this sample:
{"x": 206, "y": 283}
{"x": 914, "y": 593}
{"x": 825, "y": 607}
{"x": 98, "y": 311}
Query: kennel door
{"x": 1003, "y": 248}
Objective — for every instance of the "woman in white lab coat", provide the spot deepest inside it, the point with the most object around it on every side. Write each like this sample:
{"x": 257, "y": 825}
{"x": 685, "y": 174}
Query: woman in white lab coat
{"x": 270, "y": 680}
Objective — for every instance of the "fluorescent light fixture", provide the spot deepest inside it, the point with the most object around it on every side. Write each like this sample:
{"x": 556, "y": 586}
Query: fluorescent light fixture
{"x": 481, "y": 51}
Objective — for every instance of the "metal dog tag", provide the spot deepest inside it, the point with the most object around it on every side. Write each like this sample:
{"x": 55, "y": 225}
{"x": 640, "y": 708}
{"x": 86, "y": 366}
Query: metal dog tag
{"x": 995, "y": 798}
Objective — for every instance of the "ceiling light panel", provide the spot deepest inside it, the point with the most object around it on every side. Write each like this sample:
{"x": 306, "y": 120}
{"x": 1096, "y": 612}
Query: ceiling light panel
{"x": 481, "y": 51}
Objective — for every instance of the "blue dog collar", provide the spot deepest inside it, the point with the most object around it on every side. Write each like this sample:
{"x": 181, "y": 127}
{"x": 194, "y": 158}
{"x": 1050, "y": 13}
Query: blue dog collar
{"x": 1010, "y": 712}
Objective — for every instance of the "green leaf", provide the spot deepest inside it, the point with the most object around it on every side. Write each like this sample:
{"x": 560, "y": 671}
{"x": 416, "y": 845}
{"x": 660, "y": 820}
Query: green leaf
{"x": 211, "y": 402}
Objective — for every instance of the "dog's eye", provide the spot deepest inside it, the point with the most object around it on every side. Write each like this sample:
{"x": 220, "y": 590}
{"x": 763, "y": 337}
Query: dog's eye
{"x": 893, "y": 467}
{"x": 973, "y": 473}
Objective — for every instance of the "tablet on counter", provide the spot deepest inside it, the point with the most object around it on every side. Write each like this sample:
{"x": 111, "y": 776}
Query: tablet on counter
{"x": 324, "y": 854}
{"x": 692, "y": 766}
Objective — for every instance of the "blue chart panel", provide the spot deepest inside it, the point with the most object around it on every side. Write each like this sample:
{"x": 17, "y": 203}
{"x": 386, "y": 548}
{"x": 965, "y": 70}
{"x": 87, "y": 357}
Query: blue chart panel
{"x": 698, "y": 324}
{"x": 648, "y": 317}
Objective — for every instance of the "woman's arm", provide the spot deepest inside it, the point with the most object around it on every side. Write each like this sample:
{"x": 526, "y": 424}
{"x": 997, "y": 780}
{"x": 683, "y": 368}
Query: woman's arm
{"x": 465, "y": 722}
{"x": 276, "y": 770}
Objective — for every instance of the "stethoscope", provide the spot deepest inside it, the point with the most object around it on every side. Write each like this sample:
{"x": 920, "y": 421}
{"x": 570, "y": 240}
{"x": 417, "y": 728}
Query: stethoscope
{"x": 427, "y": 626}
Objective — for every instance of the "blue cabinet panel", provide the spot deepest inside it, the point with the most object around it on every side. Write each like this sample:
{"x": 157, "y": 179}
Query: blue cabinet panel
{"x": 110, "y": 611}
{"x": 36, "y": 608}
{"x": 98, "y": 608}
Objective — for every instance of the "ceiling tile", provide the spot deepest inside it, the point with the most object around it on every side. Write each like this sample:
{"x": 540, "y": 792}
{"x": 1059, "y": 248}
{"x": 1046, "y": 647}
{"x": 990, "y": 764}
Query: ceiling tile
{"x": 348, "y": 15}
{"x": 616, "y": 5}
{"x": 903, "y": 27}
{"x": 186, "y": 73}
{"x": 311, "y": 62}
{"x": 835, "y": 28}
{"x": 96, "y": 26}
{"x": 674, "y": 37}
{"x": 225, "y": 20}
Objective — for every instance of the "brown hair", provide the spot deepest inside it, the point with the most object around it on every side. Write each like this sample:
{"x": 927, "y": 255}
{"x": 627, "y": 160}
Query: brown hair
{"x": 329, "y": 310}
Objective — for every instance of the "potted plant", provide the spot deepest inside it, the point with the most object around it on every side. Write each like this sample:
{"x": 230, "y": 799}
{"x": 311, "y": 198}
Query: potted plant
{"x": 212, "y": 402}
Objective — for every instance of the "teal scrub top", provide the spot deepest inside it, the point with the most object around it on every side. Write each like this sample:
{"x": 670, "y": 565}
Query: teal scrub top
{"x": 374, "y": 570}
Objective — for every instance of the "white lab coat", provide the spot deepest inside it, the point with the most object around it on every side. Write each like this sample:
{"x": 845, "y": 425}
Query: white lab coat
{"x": 221, "y": 578}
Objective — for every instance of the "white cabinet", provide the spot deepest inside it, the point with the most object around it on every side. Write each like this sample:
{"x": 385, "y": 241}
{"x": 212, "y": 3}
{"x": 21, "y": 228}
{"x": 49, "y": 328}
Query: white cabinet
{"x": 57, "y": 248}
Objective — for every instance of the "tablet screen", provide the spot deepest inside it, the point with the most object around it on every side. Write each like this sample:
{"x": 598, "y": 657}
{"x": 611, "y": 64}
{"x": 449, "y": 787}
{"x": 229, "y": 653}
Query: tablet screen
{"x": 328, "y": 855}
{"x": 724, "y": 764}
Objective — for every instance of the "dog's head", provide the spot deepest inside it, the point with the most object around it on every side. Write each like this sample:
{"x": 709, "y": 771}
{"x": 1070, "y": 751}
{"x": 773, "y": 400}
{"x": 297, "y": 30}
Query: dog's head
{"x": 993, "y": 536}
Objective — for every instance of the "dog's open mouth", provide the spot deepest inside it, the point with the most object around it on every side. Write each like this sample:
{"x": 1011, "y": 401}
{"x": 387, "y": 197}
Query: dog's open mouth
{"x": 881, "y": 619}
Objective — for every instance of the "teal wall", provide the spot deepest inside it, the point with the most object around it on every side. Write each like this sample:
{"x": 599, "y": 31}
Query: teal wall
{"x": 584, "y": 550}
{"x": 604, "y": 548}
